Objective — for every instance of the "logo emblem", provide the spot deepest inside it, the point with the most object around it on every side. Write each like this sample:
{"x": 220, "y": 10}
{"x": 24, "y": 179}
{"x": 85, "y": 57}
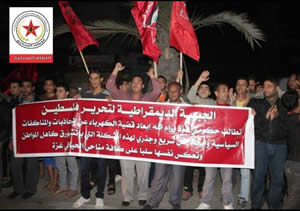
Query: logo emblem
{"x": 30, "y": 29}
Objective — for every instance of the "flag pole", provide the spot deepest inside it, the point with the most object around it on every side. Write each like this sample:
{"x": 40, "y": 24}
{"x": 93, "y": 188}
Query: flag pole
{"x": 86, "y": 68}
{"x": 181, "y": 66}
{"x": 155, "y": 69}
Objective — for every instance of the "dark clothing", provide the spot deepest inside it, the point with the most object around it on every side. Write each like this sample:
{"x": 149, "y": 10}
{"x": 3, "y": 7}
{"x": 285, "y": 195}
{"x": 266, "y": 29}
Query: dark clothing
{"x": 100, "y": 174}
{"x": 25, "y": 171}
{"x": 272, "y": 156}
{"x": 270, "y": 152}
{"x": 292, "y": 166}
{"x": 97, "y": 96}
{"x": 269, "y": 131}
{"x": 96, "y": 165}
{"x": 25, "y": 174}
{"x": 292, "y": 170}
{"x": 44, "y": 97}
{"x": 293, "y": 137}
{"x": 189, "y": 178}
{"x": 14, "y": 101}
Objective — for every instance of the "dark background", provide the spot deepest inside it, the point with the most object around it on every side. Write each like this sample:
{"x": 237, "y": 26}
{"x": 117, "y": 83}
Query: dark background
{"x": 224, "y": 52}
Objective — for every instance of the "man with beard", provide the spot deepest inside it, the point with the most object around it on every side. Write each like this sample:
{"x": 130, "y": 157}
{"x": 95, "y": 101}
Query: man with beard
{"x": 270, "y": 145}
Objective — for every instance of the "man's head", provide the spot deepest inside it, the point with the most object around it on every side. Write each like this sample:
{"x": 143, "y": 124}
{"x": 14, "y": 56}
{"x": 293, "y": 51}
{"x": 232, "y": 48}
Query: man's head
{"x": 27, "y": 87}
{"x": 62, "y": 91}
{"x": 162, "y": 81}
{"x": 291, "y": 84}
{"x": 222, "y": 93}
{"x": 204, "y": 90}
{"x": 241, "y": 85}
{"x": 259, "y": 88}
{"x": 137, "y": 84}
{"x": 15, "y": 88}
{"x": 251, "y": 84}
{"x": 49, "y": 85}
{"x": 271, "y": 87}
{"x": 174, "y": 92}
{"x": 290, "y": 100}
{"x": 73, "y": 91}
{"x": 95, "y": 79}
{"x": 123, "y": 84}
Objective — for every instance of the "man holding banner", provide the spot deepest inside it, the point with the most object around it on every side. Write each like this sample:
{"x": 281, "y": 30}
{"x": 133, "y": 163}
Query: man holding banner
{"x": 168, "y": 172}
{"x": 222, "y": 94}
{"x": 85, "y": 162}
{"x": 128, "y": 166}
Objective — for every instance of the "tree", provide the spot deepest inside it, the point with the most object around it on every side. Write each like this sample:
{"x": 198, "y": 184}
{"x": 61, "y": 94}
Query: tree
{"x": 169, "y": 60}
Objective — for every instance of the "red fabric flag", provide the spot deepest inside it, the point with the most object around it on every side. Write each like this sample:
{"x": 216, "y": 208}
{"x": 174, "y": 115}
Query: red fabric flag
{"x": 182, "y": 34}
{"x": 23, "y": 71}
{"x": 145, "y": 16}
{"x": 81, "y": 35}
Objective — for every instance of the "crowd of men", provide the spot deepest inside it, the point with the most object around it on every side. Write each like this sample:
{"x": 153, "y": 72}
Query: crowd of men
{"x": 277, "y": 145}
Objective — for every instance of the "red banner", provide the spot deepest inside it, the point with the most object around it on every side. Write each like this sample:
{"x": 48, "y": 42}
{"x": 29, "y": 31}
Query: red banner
{"x": 81, "y": 35}
{"x": 156, "y": 132}
{"x": 182, "y": 34}
{"x": 145, "y": 15}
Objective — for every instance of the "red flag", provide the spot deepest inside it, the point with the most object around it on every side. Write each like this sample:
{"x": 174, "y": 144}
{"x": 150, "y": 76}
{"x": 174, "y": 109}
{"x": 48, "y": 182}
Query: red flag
{"x": 23, "y": 71}
{"x": 145, "y": 16}
{"x": 81, "y": 35}
{"x": 182, "y": 34}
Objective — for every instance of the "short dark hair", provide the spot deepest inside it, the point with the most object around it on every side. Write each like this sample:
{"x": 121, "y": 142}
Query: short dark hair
{"x": 138, "y": 75}
{"x": 49, "y": 79}
{"x": 243, "y": 78}
{"x": 120, "y": 81}
{"x": 63, "y": 85}
{"x": 258, "y": 83}
{"x": 219, "y": 84}
{"x": 251, "y": 77}
{"x": 205, "y": 83}
{"x": 175, "y": 84}
{"x": 28, "y": 80}
{"x": 290, "y": 99}
{"x": 273, "y": 80}
{"x": 163, "y": 77}
{"x": 19, "y": 82}
{"x": 97, "y": 71}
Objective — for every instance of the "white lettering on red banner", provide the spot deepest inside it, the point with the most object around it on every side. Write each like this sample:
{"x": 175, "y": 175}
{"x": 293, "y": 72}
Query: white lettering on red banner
{"x": 190, "y": 135}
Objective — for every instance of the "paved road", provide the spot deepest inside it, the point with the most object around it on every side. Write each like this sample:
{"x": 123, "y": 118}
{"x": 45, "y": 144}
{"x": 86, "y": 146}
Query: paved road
{"x": 43, "y": 199}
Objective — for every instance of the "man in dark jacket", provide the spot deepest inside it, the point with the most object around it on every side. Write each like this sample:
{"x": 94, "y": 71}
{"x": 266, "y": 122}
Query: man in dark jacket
{"x": 270, "y": 145}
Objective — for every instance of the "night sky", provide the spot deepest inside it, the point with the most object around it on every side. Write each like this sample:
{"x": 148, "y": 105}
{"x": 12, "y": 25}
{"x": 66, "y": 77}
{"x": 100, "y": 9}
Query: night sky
{"x": 224, "y": 52}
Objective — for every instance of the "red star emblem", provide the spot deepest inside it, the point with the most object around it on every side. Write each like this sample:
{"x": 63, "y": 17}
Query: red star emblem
{"x": 31, "y": 29}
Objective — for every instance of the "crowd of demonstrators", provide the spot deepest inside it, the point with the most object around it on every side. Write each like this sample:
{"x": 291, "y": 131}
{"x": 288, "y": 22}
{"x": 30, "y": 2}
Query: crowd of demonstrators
{"x": 277, "y": 155}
